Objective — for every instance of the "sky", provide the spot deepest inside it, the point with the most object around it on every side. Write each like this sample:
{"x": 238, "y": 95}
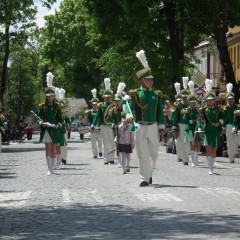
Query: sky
{"x": 43, "y": 11}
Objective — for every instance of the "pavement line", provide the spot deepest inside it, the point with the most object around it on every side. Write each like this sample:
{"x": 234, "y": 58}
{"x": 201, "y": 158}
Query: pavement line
{"x": 95, "y": 195}
{"x": 155, "y": 195}
{"x": 65, "y": 195}
{"x": 225, "y": 194}
{"x": 14, "y": 199}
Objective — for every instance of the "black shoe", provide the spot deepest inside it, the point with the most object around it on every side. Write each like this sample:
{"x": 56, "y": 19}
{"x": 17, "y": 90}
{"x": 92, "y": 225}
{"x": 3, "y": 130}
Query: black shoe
{"x": 179, "y": 160}
{"x": 128, "y": 169}
{"x": 150, "y": 180}
{"x": 124, "y": 172}
{"x": 100, "y": 154}
{"x": 111, "y": 162}
{"x": 232, "y": 162}
{"x": 64, "y": 161}
{"x": 106, "y": 162}
{"x": 95, "y": 157}
{"x": 144, "y": 184}
{"x": 185, "y": 163}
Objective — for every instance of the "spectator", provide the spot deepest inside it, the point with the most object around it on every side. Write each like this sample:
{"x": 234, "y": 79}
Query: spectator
{"x": 29, "y": 131}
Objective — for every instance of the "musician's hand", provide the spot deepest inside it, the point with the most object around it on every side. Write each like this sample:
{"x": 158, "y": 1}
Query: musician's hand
{"x": 216, "y": 124}
{"x": 56, "y": 126}
{"x": 44, "y": 125}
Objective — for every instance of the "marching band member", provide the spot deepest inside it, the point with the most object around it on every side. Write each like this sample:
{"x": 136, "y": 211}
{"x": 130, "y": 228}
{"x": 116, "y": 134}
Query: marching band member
{"x": 178, "y": 124}
{"x": 67, "y": 119}
{"x": 52, "y": 120}
{"x": 105, "y": 120}
{"x": 232, "y": 138}
{"x": 96, "y": 137}
{"x": 146, "y": 106}
{"x": 190, "y": 118}
{"x": 211, "y": 123}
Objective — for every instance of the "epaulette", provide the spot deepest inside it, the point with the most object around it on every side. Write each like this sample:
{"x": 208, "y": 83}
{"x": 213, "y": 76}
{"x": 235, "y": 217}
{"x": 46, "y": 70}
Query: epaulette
{"x": 238, "y": 105}
{"x": 224, "y": 108}
{"x": 40, "y": 106}
{"x": 201, "y": 110}
{"x": 87, "y": 111}
{"x": 2, "y": 117}
{"x": 99, "y": 105}
{"x": 133, "y": 92}
{"x": 176, "y": 104}
{"x": 61, "y": 106}
{"x": 184, "y": 111}
{"x": 221, "y": 108}
{"x": 236, "y": 113}
{"x": 159, "y": 93}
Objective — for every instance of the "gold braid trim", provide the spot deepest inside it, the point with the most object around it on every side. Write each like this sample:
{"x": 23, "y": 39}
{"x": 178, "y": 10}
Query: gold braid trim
{"x": 159, "y": 93}
{"x": 2, "y": 117}
{"x": 40, "y": 106}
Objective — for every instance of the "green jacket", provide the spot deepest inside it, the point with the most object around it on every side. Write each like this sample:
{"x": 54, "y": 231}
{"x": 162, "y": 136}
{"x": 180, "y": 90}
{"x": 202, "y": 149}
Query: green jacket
{"x": 228, "y": 113}
{"x": 210, "y": 116}
{"x": 52, "y": 115}
{"x": 177, "y": 116}
{"x": 146, "y": 105}
{"x": 105, "y": 115}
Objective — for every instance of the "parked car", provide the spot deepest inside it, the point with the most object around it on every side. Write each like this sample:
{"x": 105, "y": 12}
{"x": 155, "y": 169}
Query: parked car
{"x": 74, "y": 127}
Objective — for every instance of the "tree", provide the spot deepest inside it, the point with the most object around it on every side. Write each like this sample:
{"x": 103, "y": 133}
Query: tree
{"x": 16, "y": 17}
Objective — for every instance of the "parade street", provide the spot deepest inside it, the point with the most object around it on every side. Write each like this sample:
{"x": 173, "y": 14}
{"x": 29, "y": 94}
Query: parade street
{"x": 86, "y": 199}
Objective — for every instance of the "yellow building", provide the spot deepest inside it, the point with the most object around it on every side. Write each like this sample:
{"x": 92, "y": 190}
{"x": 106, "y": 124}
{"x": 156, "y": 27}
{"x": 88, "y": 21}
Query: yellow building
{"x": 234, "y": 50}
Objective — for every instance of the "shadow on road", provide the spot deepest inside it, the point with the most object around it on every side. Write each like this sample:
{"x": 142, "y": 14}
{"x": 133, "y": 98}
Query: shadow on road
{"x": 114, "y": 222}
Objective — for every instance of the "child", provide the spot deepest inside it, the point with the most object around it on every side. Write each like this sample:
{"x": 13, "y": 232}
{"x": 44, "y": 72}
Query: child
{"x": 125, "y": 141}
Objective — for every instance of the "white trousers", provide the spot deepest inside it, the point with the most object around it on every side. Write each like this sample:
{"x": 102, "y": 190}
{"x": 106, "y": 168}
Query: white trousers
{"x": 147, "y": 145}
{"x": 232, "y": 142}
{"x": 181, "y": 145}
{"x": 64, "y": 149}
{"x": 108, "y": 142}
{"x": 96, "y": 141}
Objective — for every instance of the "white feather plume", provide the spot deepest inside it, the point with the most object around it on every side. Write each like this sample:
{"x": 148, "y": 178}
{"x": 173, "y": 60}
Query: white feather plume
{"x": 50, "y": 79}
{"x": 229, "y": 87}
{"x": 185, "y": 82}
{"x": 177, "y": 87}
{"x": 94, "y": 93}
{"x": 209, "y": 84}
{"x": 142, "y": 58}
{"x": 61, "y": 93}
{"x": 191, "y": 86}
{"x": 107, "y": 83}
{"x": 57, "y": 93}
{"x": 121, "y": 87}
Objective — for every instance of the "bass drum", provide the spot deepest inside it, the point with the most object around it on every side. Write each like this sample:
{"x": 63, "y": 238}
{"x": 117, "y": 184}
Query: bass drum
{"x": 84, "y": 129}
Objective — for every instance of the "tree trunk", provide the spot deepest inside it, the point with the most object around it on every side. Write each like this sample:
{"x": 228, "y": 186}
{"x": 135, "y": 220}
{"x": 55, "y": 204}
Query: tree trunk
{"x": 222, "y": 46}
{"x": 176, "y": 42}
{"x": 4, "y": 65}
{"x": 220, "y": 28}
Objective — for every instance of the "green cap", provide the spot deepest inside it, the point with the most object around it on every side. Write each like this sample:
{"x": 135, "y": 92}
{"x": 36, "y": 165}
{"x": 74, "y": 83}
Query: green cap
{"x": 144, "y": 73}
{"x": 49, "y": 91}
